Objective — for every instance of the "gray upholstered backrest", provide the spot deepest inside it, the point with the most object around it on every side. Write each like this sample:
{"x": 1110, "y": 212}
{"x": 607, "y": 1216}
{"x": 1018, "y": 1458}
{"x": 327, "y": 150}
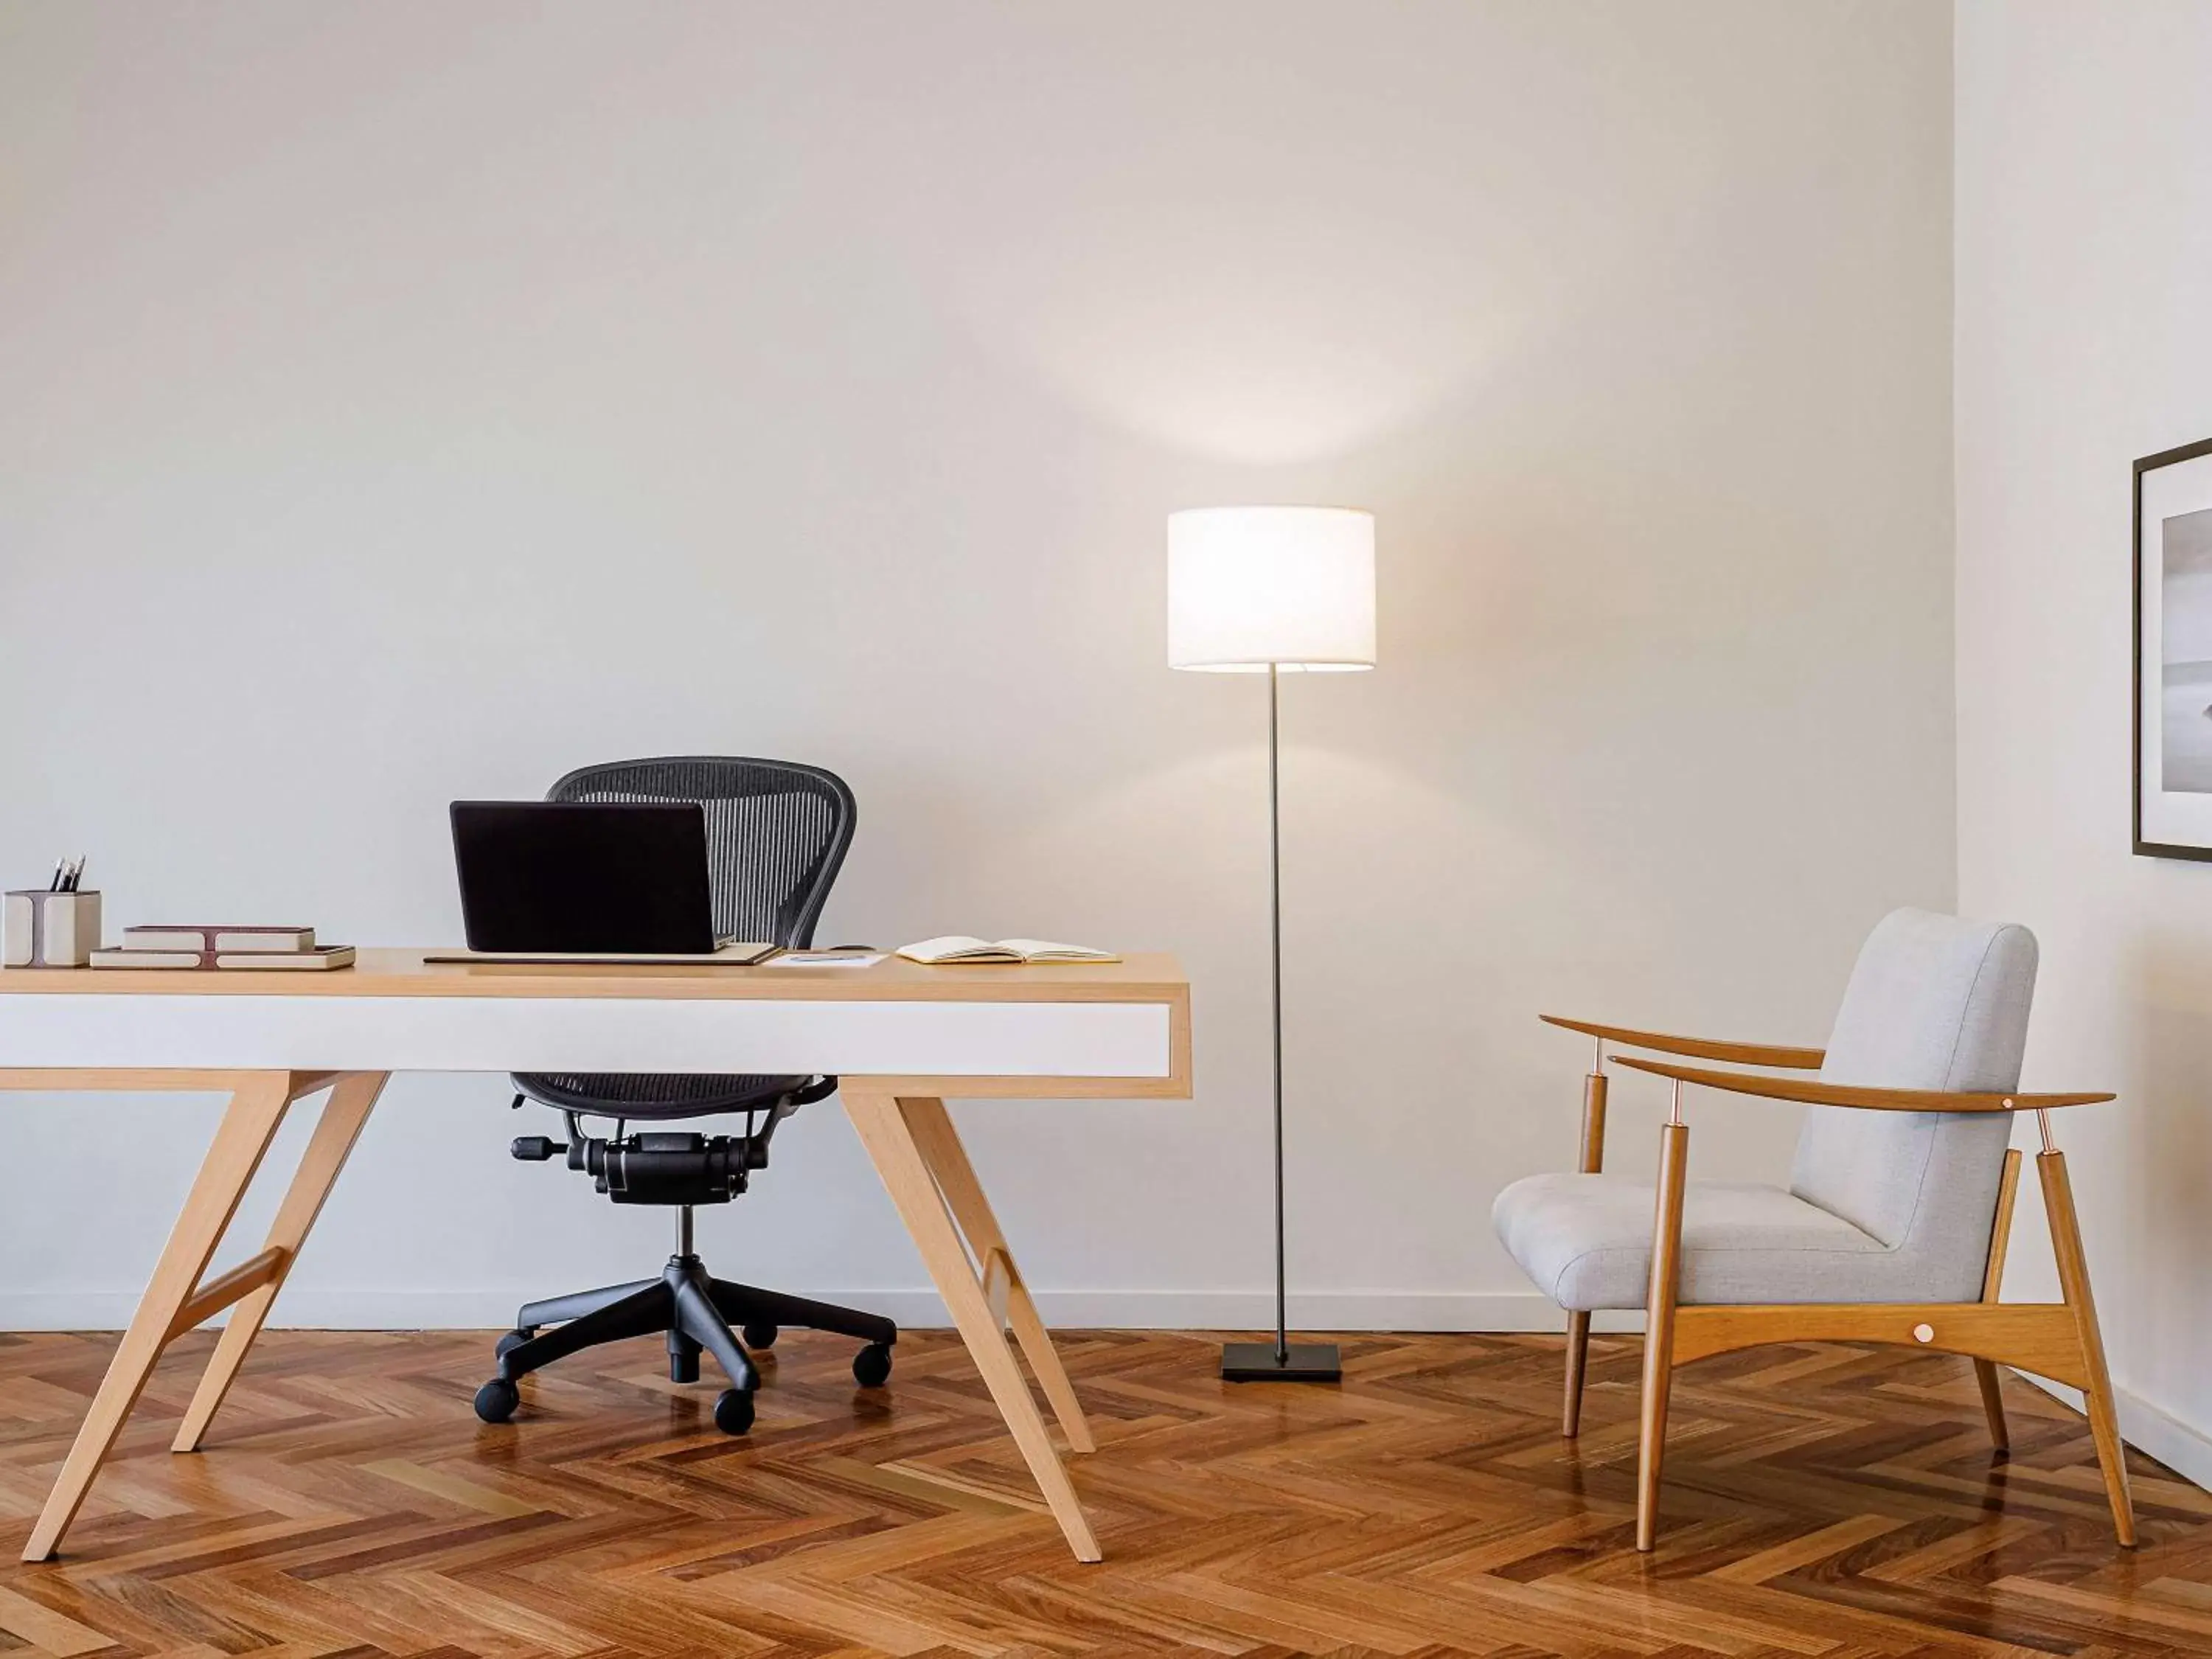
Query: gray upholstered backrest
{"x": 1935, "y": 1002}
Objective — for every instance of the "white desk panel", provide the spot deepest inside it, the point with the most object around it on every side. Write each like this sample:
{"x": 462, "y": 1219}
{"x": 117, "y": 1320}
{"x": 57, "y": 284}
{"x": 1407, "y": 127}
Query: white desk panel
{"x": 327, "y": 1032}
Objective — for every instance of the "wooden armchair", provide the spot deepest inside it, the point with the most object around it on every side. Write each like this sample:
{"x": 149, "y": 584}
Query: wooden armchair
{"x": 1894, "y": 1226}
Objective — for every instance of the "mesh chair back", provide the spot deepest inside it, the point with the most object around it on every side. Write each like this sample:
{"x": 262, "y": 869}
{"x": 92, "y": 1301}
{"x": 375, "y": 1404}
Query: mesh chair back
{"x": 777, "y": 835}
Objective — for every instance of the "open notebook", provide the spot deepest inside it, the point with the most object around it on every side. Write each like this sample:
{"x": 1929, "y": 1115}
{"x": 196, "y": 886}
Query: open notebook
{"x": 962, "y": 948}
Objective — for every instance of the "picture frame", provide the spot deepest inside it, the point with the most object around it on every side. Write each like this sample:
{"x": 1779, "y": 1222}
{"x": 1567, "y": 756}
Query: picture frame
{"x": 2172, "y": 679}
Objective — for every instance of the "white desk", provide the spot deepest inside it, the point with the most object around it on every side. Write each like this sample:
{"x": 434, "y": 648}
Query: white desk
{"x": 901, "y": 1038}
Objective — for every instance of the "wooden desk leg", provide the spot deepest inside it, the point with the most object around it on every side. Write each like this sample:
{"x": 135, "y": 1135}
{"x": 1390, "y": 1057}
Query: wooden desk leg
{"x": 256, "y": 1107}
{"x": 883, "y": 1129}
{"x": 939, "y": 1143}
{"x": 343, "y": 1114}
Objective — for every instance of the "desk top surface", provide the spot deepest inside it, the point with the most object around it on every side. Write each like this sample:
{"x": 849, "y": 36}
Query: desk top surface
{"x": 1152, "y": 977}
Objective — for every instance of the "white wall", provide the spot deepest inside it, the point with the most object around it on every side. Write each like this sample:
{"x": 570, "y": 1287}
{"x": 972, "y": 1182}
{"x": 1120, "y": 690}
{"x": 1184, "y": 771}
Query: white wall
{"x": 516, "y": 386}
{"x": 2084, "y": 340}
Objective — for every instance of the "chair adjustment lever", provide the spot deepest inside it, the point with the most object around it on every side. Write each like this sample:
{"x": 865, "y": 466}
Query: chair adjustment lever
{"x": 537, "y": 1149}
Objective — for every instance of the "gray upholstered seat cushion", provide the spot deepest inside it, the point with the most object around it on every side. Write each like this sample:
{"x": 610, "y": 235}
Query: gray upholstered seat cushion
{"x": 1586, "y": 1241}
{"x": 1882, "y": 1206}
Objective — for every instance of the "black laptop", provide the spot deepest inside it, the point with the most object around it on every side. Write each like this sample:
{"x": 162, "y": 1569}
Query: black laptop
{"x": 588, "y": 881}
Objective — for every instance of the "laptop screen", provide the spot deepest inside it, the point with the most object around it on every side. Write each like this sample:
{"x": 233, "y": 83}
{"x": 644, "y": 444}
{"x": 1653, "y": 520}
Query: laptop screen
{"x": 616, "y": 877}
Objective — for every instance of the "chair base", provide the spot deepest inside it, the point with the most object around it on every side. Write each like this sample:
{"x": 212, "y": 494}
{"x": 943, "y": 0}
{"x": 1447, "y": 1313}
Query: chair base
{"x": 696, "y": 1313}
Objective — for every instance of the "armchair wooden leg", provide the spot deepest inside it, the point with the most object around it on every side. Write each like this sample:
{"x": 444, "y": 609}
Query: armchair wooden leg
{"x": 1985, "y": 1372}
{"x": 1571, "y": 1416}
{"x": 1659, "y": 1325}
{"x": 1578, "y": 1324}
{"x": 2097, "y": 1391}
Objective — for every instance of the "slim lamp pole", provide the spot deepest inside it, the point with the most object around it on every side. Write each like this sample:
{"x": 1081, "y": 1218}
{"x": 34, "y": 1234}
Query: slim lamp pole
{"x": 1277, "y": 1361}
{"x": 1275, "y": 921}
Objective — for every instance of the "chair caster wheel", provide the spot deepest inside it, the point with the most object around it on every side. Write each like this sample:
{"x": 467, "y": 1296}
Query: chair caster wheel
{"x": 733, "y": 1411}
{"x": 759, "y": 1336}
{"x": 496, "y": 1400}
{"x": 872, "y": 1366}
{"x": 510, "y": 1341}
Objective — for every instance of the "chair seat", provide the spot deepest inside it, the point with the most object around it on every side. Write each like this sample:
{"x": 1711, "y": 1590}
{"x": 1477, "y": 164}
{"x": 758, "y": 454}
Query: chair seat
{"x": 1586, "y": 1241}
{"x": 648, "y": 1096}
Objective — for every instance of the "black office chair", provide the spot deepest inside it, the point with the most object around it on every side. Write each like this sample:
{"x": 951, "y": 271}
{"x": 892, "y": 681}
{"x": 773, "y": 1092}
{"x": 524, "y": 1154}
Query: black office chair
{"x": 776, "y": 833}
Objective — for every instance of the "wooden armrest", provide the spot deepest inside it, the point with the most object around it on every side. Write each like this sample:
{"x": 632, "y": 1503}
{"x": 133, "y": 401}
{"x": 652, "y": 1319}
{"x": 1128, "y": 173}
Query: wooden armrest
{"x": 1737, "y": 1054}
{"x": 1848, "y": 1094}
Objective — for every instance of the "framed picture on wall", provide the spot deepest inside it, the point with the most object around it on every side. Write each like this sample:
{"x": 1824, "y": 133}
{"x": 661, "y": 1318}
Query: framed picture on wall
{"x": 2173, "y": 653}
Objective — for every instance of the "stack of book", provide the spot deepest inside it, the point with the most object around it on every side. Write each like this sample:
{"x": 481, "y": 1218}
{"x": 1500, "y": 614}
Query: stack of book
{"x": 257, "y": 949}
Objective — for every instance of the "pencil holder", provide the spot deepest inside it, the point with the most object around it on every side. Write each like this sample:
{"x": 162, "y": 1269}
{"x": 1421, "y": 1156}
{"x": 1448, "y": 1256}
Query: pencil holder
{"x": 43, "y": 929}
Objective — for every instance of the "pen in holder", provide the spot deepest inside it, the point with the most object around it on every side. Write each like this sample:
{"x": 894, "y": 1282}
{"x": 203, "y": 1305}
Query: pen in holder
{"x": 46, "y": 929}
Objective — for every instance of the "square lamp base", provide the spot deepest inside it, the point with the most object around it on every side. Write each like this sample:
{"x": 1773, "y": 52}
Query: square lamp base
{"x": 1258, "y": 1362}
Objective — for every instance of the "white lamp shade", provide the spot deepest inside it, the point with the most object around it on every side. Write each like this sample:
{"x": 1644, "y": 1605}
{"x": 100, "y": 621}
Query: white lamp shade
{"x": 1252, "y": 586}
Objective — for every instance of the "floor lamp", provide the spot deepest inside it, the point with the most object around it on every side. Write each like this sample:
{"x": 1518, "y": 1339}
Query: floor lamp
{"x": 1273, "y": 591}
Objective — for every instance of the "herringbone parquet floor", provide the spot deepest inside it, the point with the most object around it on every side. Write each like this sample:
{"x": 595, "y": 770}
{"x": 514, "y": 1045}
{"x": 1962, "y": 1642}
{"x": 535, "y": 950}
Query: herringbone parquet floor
{"x": 1822, "y": 1500}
